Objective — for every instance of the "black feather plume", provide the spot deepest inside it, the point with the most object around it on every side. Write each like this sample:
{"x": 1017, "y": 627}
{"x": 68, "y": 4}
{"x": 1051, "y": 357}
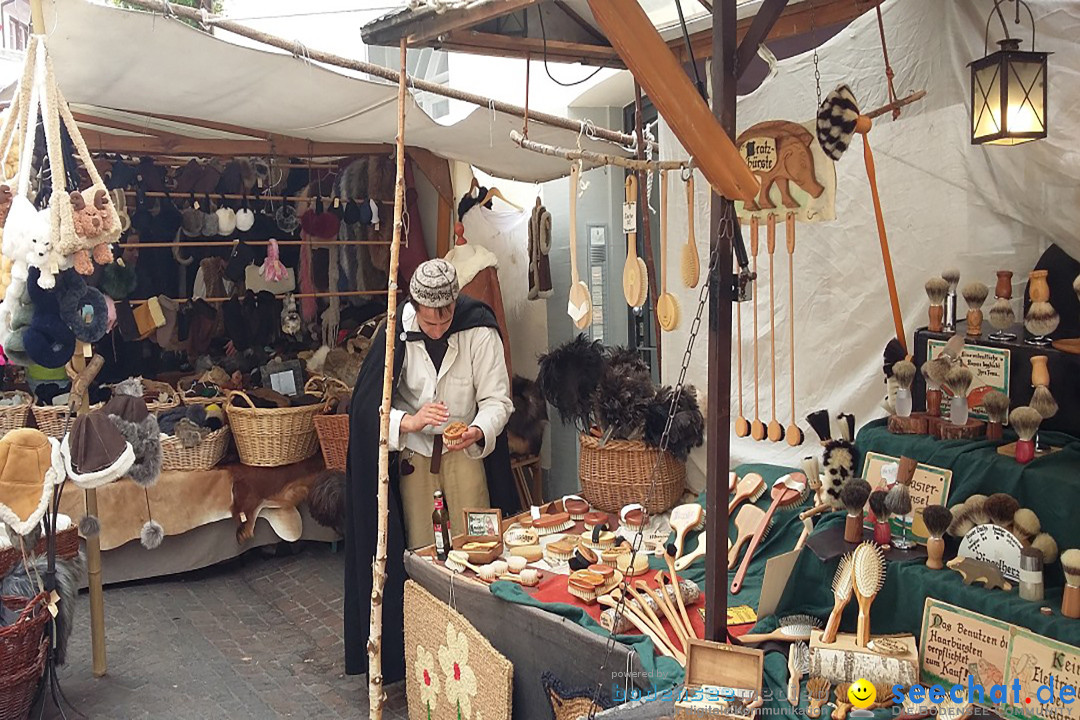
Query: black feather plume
{"x": 623, "y": 395}
{"x": 568, "y": 375}
{"x": 687, "y": 427}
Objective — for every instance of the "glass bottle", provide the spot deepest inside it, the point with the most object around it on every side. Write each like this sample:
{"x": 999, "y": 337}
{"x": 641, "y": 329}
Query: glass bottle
{"x": 440, "y": 522}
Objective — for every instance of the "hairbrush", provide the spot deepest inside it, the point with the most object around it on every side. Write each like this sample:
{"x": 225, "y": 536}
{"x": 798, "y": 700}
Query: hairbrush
{"x": 952, "y": 278}
{"x": 1070, "y": 600}
{"x": 975, "y": 294}
{"x": 817, "y": 692}
{"x": 553, "y": 523}
{"x": 685, "y": 518}
{"x": 528, "y": 577}
{"x": 843, "y": 704}
{"x": 516, "y": 563}
{"x": 854, "y": 495}
{"x": 457, "y": 561}
{"x": 792, "y": 628}
{"x": 750, "y": 488}
{"x": 843, "y": 585}
{"x": 996, "y": 405}
{"x": 1046, "y": 544}
{"x": 937, "y": 519}
{"x": 1026, "y": 525}
{"x": 869, "y": 572}
{"x": 936, "y": 290}
{"x": 1025, "y": 421}
{"x": 1001, "y": 508}
{"x": 904, "y": 374}
{"x": 882, "y": 532}
{"x": 746, "y": 524}
{"x": 959, "y": 379}
{"x": 787, "y": 491}
{"x": 699, "y": 551}
{"x": 798, "y": 665}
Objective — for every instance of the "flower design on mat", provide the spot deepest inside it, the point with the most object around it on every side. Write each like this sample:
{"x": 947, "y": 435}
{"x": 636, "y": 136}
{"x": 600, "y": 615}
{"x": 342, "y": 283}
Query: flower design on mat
{"x": 426, "y": 677}
{"x": 460, "y": 678}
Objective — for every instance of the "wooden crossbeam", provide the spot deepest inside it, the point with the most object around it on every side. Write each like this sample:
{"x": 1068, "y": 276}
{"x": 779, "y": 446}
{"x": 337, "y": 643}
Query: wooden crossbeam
{"x": 493, "y": 44}
{"x": 431, "y": 27}
{"x": 760, "y": 27}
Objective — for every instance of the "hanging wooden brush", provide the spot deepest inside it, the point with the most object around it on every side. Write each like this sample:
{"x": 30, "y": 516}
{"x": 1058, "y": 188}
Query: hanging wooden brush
{"x": 869, "y": 570}
{"x": 757, "y": 428}
{"x": 742, "y": 425}
{"x": 667, "y": 306}
{"x": 793, "y": 433}
{"x": 776, "y": 430}
{"x": 633, "y": 280}
{"x": 691, "y": 267}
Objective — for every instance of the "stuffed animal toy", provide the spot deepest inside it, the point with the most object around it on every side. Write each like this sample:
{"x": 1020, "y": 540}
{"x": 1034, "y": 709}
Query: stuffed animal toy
{"x": 290, "y": 317}
{"x": 28, "y": 242}
{"x": 5, "y": 203}
{"x": 96, "y": 221}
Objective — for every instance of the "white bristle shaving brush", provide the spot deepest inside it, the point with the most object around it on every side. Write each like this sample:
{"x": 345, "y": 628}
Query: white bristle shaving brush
{"x": 1002, "y": 315}
{"x": 1041, "y": 319}
{"x": 1070, "y": 599}
{"x": 1025, "y": 421}
{"x": 904, "y": 374}
{"x": 975, "y": 294}
{"x": 1048, "y": 546}
{"x": 996, "y": 405}
{"x": 959, "y": 380}
{"x": 952, "y": 277}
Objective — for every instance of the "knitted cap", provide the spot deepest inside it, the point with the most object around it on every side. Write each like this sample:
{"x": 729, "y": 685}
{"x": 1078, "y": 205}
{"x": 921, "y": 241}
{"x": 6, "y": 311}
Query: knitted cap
{"x": 434, "y": 284}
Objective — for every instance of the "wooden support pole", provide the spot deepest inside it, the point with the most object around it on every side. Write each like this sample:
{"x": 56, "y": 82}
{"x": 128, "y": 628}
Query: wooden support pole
{"x": 722, "y": 70}
{"x": 764, "y": 20}
{"x": 376, "y": 693}
{"x": 646, "y": 225}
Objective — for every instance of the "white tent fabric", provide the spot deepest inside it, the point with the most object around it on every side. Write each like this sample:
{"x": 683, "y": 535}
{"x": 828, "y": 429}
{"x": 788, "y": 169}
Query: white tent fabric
{"x": 136, "y": 61}
{"x": 946, "y": 204}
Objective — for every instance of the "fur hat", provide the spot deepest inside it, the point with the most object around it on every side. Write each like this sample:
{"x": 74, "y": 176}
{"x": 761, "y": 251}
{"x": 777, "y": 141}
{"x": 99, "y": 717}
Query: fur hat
{"x": 286, "y": 219}
{"x": 434, "y": 284}
{"x": 836, "y": 121}
{"x": 129, "y": 414}
{"x": 191, "y": 223}
{"x": 48, "y": 341}
{"x": 94, "y": 451}
{"x": 209, "y": 221}
{"x": 30, "y": 465}
{"x": 242, "y": 255}
{"x": 226, "y": 219}
{"x": 82, "y": 307}
{"x": 118, "y": 280}
{"x": 320, "y": 224}
{"x": 245, "y": 218}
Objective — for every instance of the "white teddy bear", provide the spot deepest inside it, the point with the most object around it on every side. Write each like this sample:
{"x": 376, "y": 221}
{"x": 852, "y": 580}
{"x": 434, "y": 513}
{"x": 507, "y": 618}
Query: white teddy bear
{"x": 28, "y": 242}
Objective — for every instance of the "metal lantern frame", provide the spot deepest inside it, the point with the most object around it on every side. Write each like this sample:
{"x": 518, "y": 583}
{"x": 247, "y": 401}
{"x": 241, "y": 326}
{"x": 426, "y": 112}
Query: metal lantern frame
{"x": 990, "y": 95}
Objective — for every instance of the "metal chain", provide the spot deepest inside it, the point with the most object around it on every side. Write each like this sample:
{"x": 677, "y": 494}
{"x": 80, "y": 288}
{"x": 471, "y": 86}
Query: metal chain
{"x": 725, "y": 234}
{"x": 813, "y": 39}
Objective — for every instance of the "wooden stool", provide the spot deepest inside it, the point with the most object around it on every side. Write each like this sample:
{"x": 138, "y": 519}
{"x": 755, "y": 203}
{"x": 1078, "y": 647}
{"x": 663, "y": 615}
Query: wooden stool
{"x": 530, "y": 489}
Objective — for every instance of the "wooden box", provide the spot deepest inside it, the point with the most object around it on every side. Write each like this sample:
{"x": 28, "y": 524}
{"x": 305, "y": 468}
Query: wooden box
{"x": 915, "y": 424}
{"x": 715, "y": 671}
{"x": 482, "y": 525}
{"x": 844, "y": 661}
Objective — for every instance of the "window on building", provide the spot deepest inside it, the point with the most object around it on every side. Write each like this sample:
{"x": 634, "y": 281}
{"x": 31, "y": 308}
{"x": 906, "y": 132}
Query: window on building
{"x": 424, "y": 63}
{"x": 18, "y": 34}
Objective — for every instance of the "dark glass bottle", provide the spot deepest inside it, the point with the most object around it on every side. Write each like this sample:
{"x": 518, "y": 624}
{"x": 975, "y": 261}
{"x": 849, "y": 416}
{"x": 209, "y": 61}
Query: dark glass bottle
{"x": 440, "y": 522}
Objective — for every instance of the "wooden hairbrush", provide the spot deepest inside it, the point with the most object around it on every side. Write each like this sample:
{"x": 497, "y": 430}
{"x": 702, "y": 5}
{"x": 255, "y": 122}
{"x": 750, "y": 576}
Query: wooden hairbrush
{"x": 789, "y": 490}
{"x": 843, "y": 585}
{"x": 869, "y": 575}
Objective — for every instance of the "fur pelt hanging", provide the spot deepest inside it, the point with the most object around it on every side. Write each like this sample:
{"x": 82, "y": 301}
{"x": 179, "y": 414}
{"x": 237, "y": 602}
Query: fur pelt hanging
{"x": 839, "y": 462}
{"x": 525, "y": 428}
{"x": 623, "y": 395}
{"x": 567, "y": 377}
{"x": 326, "y": 500}
{"x": 144, "y": 436}
{"x": 687, "y": 427}
{"x": 19, "y": 583}
{"x": 836, "y": 121}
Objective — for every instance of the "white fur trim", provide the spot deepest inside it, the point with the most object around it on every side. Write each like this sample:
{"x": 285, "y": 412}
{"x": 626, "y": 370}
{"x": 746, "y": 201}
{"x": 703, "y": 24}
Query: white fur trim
{"x": 469, "y": 260}
{"x": 93, "y": 480}
{"x": 53, "y": 476}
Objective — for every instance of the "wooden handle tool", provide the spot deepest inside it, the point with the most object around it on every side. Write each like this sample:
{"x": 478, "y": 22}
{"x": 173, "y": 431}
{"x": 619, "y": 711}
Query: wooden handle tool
{"x": 775, "y": 430}
{"x": 793, "y": 433}
{"x": 757, "y": 428}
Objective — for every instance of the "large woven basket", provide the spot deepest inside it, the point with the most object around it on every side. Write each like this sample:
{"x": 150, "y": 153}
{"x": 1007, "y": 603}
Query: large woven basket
{"x": 19, "y": 685}
{"x": 14, "y": 416}
{"x": 53, "y": 419}
{"x": 205, "y": 455}
{"x": 20, "y": 641}
{"x": 155, "y": 388}
{"x": 67, "y": 546}
{"x": 272, "y": 437}
{"x": 620, "y": 473}
{"x": 333, "y": 432}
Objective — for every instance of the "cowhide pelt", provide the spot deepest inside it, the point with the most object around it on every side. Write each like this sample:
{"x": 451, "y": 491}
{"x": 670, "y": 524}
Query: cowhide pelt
{"x": 273, "y": 493}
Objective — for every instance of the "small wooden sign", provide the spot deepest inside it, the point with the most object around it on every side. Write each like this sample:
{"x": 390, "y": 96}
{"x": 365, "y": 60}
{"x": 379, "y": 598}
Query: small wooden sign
{"x": 995, "y": 545}
{"x": 957, "y": 644}
{"x": 795, "y": 174}
{"x": 991, "y": 367}
{"x": 1038, "y": 663}
{"x": 929, "y": 486}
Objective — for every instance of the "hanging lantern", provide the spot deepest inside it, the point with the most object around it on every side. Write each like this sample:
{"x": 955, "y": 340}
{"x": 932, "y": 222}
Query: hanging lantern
{"x": 1008, "y": 89}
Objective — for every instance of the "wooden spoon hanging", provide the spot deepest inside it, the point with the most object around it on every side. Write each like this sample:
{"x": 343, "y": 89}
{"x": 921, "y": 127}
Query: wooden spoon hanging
{"x": 579, "y": 307}
{"x": 793, "y": 433}
{"x": 632, "y": 280}
{"x": 757, "y": 428}
{"x": 776, "y": 430}
{"x": 667, "y": 306}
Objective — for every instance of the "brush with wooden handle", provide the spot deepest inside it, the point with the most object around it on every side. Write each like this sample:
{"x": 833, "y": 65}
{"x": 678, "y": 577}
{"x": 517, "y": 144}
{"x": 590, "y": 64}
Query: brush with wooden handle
{"x": 631, "y": 280}
{"x": 631, "y": 614}
{"x": 788, "y": 490}
{"x": 798, "y": 665}
{"x": 668, "y": 612}
{"x": 843, "y": 585}
{"x": 869, "y": 576}
{"x": 669, "y": 558}
{"x": 793, "y": 433}
{"x": 686, "y": 560}
{"x": 690, "y": 264}
{"x": 742, "y": 425}
{"x": 667, "y": 305}
{"x": 776, "y": 430}
{"x": 757, "y": 428}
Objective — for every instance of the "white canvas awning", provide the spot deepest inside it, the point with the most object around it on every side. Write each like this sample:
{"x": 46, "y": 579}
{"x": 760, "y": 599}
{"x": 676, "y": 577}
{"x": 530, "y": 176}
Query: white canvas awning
{"x": 130, "y": 69}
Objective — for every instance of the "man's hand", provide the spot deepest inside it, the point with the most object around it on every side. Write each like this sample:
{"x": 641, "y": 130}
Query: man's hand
{"x": 470, "y": 437}
{"x": 431, "y": 415}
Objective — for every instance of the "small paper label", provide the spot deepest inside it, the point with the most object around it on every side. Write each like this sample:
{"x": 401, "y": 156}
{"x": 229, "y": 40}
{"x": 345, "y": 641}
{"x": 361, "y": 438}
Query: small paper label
{"x": 1034, "y": 577}
{"x": 629, "y": 217}
{"x": 535, "y": 512}
{"x": 87, "y": 350}
{"x": 888, "y": 473}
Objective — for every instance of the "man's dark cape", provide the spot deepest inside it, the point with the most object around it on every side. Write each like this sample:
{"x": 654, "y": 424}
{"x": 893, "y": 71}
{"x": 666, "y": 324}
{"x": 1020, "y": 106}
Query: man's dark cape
{"x": 361, "y": 502}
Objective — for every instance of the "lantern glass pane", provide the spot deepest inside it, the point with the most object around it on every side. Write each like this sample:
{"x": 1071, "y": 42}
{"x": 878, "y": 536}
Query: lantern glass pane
{"x": 1025, "y": 98}
{"x": 986, "y": 101}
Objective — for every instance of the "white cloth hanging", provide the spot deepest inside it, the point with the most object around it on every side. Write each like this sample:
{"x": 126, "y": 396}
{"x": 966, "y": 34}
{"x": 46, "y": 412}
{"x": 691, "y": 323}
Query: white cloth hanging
{"x": 506, "y": 234}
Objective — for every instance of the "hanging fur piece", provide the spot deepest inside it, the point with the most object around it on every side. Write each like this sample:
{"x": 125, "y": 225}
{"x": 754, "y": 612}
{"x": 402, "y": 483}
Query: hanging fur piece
{"x": 567, "y": 377}
{"x": 839, "y": 462}
{"x": 326, "y": 500}
{"x": 21, "y": 582}
{"x": 687, "y": 427}
{"x": 836, "y": 121}
{"x": 525, "y": 428}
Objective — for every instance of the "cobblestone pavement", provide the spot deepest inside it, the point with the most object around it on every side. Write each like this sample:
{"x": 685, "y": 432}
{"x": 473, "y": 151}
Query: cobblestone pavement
{"x": 258, "y": 637}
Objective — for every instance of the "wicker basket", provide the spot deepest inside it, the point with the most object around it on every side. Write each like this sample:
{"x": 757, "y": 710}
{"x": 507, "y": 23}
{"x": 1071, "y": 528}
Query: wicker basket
{"x": 14, "y": 416}
{"x": 185, "y": 386}
{"x": 20, "y": 641}
{"x": 67, "y": 546}
{"x": 272, "y": 437}
{"x": 19, "y": 685}
{"x": 333, "y": 432}
{"x": 205, "y": 455}
{"x": 620, "y": 472}
{"x": 156, "y": 388}
{"x": 53, "y": 419}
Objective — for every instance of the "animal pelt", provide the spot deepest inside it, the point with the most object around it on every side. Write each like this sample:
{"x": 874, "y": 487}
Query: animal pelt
{"x": 151, "y": 535}
{"x": 687, "y": 427}
{"x": 567, "y": 377}
{"x": 145, "y": 439}
{"x": 326, "y": 500}
{"x": 623, "y": 395}
{"x": 133, "y": 386}
{"x": 525, "y": 428}
{"x": 69, "y": 574}
{"x": 342, "y": 364}
{"x": 839, "y": 462}
{"x": 353, "y": 183}
{"x": 254, "y": 488}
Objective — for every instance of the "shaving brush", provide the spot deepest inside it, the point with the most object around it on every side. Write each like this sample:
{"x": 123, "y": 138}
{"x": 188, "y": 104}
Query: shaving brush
{"x": 1026, "y": 525}
{"x": 975, "y": 294}
{"x": 882, "y": 534}
{"x": 1042, "y": 400}
{"x": 1025, "y": 421}
{"x": 1048, "y": 546}
{"x": 976, "y": 509}
{"x": 854, "y": 494}
{"x": 1002, "y": 316}
{"x": 898, "y": 500}
{"x": 996, "y": 404}
{"x": 936, "y": 290}
{"x": 1070, "y": 599}
{"x": 934, "y": 372}
{"x": 937, "y": 519}
{"x": 1041, "y": 319}
{"x": 1001, "y": 508}
{"x": 952, "y": 277}
{"x": 904, "y": 374}
{"x": 959, "y": 380}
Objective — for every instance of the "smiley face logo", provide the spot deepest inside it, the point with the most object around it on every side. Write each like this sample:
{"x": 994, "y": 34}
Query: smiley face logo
{"x": 862, "y": 693}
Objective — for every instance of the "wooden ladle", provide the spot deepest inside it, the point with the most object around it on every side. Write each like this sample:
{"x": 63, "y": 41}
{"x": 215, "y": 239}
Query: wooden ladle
{"x": 667, "y": 306}
{"x": 579, "y": 306}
